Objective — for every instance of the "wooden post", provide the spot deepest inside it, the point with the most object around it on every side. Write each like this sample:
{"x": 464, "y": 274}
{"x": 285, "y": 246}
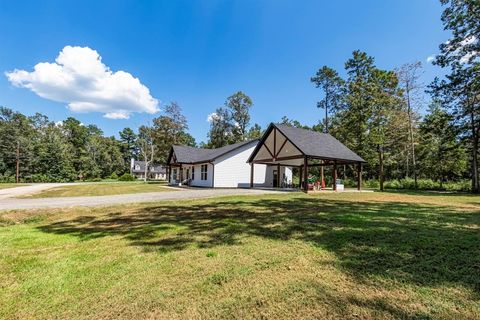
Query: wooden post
{"x": 334, "y": 175}
{"x": 300, "y": 174}
{"x": 251, "y": 174}
{"x": 322, "y": 177}
{"x": 305, "y": 174}
{"x": 278, "y": 175}
{"x": 359, "y": 176}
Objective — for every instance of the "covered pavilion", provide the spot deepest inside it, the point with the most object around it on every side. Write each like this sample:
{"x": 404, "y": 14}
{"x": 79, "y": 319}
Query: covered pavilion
{"x": 284, "y": 145}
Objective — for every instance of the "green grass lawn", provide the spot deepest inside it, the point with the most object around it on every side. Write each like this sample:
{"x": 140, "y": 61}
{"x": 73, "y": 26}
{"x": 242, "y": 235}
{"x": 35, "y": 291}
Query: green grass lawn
{"x": 350, "y": 255}
{"x": 11, "y": 185}
{"x": 100, "y": 189}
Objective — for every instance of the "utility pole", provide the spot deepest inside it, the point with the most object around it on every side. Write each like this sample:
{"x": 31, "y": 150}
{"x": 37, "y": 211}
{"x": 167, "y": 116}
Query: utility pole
{"x": 18, "y": 162}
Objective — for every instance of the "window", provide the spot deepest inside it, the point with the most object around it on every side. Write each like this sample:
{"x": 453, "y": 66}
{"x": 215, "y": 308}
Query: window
{"x": 137, "y": 167}
{"x": 193, "y": 173}
{"x": 203, "y": 172}
{"x": 174, "y": 174}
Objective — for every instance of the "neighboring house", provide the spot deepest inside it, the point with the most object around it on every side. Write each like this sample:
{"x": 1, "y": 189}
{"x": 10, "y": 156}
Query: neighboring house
{"x": 224, "y": 167}
{"x": 154, "y": 172}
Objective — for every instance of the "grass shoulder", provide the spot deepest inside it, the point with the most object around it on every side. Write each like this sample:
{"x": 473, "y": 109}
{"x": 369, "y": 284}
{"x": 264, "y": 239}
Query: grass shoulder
{"x": 12, "y": 185}
{"x": 101, "y": 189}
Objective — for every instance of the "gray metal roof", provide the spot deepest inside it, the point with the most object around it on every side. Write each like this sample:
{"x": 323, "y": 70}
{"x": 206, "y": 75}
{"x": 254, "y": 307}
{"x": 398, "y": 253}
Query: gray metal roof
{"x": 314, "y": 144}
{"x": 185, "y": 154}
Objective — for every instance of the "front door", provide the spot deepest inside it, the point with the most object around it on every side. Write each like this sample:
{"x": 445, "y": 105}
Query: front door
{"x": 275, "y": 178}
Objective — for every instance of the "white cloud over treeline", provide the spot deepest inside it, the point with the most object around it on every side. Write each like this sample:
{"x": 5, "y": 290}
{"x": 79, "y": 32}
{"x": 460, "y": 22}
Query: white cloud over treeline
{"x": 79, "y": 78}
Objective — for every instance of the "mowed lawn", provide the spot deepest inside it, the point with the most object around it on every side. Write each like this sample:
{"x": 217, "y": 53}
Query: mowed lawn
{"x": 340, "y": 256}
{"x": 100, "y": 189}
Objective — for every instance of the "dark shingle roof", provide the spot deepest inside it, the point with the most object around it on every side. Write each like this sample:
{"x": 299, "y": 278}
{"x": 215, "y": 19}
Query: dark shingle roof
{"x": 141, "y": 164}
{"x": 317, "y": 144}
{"x": 312, "y": 143}
{"x": 185, "y": 154}
{"x": 157, "y": 168}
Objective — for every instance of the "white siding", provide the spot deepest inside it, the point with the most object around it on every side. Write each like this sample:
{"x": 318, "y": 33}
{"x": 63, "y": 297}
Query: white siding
{"x": 283, "y": 170}
{"x": 233, "y": 171}
{"x": 288, "y": 174}
{"x": 197, "y": 181}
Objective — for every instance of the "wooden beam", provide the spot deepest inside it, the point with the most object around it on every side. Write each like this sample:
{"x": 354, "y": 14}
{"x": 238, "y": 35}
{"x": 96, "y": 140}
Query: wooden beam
{"x": 334, "y": 176}
{"x": 281, "y": 147}
{"x": 359, "y": 176}
{"x": 305, "y": 173}
{"x": 320, "y": 164}
{"x": 270, "y": 152}
{"x": 274, "y": 141}
{"x": 300, "y": 174}
{"x": 279, "y": 159}
{"x": 322, "y": 178}
{"x": 278, "y": 175}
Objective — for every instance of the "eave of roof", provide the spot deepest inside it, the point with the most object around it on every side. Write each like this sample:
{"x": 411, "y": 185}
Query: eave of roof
{"x": 192, "y": 155}
{"x": 312, "y": 144}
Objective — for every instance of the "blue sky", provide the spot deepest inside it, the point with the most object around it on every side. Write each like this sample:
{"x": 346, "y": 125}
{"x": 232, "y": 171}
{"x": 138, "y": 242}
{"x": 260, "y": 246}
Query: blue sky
{"x": 199, "y": 52}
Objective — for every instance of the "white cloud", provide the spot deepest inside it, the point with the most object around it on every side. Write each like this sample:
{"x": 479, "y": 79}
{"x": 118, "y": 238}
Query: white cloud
{"x": 466, "y": 58}
{"x": 213, "y": 117}
{"x": 460, "y": 49}
{"x": 430, "y": 59}
{"x": 79, "y": 78}
{"x": 468, "y": 40}
{"x": 472, "y": 54}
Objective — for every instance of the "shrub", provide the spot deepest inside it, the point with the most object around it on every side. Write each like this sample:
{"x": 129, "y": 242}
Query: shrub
{"x": 462, "y": 185}
{"x": 428, "y": 184}
{"x": 408, "y": 183}
{"x": 371, "y": 184}
{"x": 7, "y": 179}
{"x": 114, "y": 176}
{"x": 126, "y": 177}
{"x": 392, "y": 184}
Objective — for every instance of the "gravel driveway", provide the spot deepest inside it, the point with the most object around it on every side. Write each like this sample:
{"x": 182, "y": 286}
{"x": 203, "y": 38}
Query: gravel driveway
{"x": 8, "y": 202}
{"x": 30, "y": 189}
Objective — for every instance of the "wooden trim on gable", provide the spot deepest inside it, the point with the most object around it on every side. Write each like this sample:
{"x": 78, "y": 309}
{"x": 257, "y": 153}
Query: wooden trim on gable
{"x": 281, "y": 147}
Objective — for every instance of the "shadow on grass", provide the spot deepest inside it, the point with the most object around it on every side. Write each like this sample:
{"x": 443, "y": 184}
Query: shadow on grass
{"x": 418, "y": 244}
{"x": 430, "y": 193}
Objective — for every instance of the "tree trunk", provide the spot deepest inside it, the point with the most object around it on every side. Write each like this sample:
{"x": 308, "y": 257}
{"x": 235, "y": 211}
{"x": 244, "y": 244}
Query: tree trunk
{"x": 475, "y": 185}
{"x": 380, "y": 161}
{"x": 146, "y": 171}
{"x": 18, "y": 163}
{"x": 412, "y": 142}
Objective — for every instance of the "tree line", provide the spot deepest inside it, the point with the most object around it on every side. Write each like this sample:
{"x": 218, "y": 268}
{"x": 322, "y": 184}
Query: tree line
{"x": 383, "y": 115}
{"x": 36, "y": 149}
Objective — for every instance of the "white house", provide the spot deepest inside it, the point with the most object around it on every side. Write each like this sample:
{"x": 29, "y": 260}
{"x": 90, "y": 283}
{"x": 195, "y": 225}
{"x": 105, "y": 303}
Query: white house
{"x": 267, "y": 162}
{"x": 154, "y": 171}
{"x": 225, "y": 167}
